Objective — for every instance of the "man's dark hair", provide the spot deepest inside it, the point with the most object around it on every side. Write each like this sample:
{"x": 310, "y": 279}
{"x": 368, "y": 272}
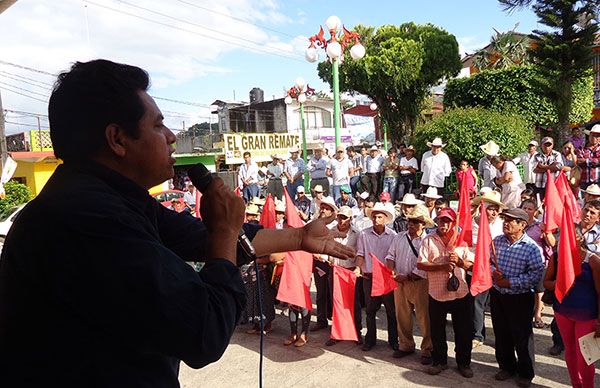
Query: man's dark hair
{"x": 88, "y": 98}
{"x": 595, "y": 203}
{"x": 247, "y": 154}
{"x": 442, "y": 201}
{"x": 350, "y": 149}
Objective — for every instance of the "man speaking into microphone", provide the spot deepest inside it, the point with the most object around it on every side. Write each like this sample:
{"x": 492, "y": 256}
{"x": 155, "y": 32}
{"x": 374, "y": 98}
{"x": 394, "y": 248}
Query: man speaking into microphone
{"x": 94, "y": 288}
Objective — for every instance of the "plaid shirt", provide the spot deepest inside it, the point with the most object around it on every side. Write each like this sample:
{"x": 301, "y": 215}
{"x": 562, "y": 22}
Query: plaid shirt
{"x": 590, "y": 172}
{"x": 521, "y": 263}
{"x": 540, "y": 158}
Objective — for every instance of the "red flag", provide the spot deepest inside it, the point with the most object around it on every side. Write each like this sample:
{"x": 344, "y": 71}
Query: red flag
{"x": 297, "y": 266}
{"x": 482, "y": 273}
{"x": 238, "y": 191}
{"x": 383, "y": 281}
{"x": 344, "y": 282}
{"x": 267, "y": 217}
{"x": 569, "y": 261}
{"x": 465, "y": 221}
{"x": 198, "y": 199}
{"x": 566, "y": 194}
{"x": 554, "y": 205}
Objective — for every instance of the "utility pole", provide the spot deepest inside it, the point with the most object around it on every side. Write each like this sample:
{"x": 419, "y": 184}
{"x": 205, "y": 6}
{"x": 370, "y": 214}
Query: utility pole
{"x": 3, "y": 150}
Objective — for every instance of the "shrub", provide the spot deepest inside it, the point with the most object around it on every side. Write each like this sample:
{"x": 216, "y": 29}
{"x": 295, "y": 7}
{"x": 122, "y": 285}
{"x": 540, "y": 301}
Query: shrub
{"x": 16, "y": 194}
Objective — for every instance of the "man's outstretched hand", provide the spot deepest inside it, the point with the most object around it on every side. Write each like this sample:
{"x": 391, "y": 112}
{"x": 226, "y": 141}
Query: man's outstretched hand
{"x": 317, "y": 238}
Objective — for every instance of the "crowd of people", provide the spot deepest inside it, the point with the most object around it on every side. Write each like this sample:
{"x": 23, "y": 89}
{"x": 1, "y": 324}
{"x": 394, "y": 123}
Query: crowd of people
{"x": 384, "y": 213}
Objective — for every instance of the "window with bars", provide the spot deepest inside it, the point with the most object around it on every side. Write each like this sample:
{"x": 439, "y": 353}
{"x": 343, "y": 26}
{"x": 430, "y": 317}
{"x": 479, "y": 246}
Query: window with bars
{"x": 315, "y": 117}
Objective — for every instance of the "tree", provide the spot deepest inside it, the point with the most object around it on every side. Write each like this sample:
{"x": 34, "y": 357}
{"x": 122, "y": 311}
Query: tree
{"x": 506, "y": 49}
{"x": 16, "y": 194}
{"x": 202, "y": 129}
{"x": 564, "y": 52}
{"x": 515, "y": 89}
{"x": 401, "y": 65}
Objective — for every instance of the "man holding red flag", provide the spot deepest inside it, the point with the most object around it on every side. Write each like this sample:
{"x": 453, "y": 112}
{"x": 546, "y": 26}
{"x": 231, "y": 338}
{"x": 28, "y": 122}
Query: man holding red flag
{"x": 512, "y": 298}
{"x": 446, "y": 265}
{"x": 376, "y": 240}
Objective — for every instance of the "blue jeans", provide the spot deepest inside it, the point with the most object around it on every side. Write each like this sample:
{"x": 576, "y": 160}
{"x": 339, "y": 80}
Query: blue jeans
{"x": 291, "y": 187}
{"x": 336, "y": 192}
{"x": 405, "y": 185}
{"x": 353, "y": 183}
{"x": 250, "y": 191}
{"x": 389, "y": 186}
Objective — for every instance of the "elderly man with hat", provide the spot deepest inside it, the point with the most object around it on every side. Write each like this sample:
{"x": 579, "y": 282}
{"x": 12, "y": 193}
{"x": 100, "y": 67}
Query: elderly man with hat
{"x": 349, "y": 237}
{"x": 493, "y": 208}
{"x": 373, "y": 167}
{"x": 546, "y": 160}
{"x": 589, "y": 158}
{"x": 315, "y": 204}
{"x": 408, "y": 169}
{"x": 303, "y": 204}
{"x": 317, "y": 170}
{"x": 322, "y": 272}
{"x": 430, "y": 196}
{"x": 591, "y": 193}
{"x": 412, "y": 294}
{"x": 407, "y": 205}
{"x": 516, "y": 273}
{"x": 527, "y": 160}
{"x": 485, "y": 168}
{"x": 294, "y": 171}
{"x": 446, "y": 265}
{"x": 340, "y": 168}
{"x": 435, "y": 165}
{"x": 275, "y": 173}
{"x": 376, "y": 240}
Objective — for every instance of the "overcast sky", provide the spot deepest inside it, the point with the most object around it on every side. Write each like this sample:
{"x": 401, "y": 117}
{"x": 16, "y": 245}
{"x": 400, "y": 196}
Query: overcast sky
{"x": 198, "y": 51}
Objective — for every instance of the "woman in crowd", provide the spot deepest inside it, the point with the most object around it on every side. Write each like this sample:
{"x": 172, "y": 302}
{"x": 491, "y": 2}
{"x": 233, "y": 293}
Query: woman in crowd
{"x": 509, "y": 179}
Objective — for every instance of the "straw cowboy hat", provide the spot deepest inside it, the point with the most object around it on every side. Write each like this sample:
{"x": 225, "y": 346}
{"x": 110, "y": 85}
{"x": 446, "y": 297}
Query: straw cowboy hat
{"x": 421, "y": 213}
{"x": 492, "y": 197}
{"x": 411, "y": 200}
{"x": 318, "y": 189}
{"x": 328, "y": 201}
{"x": 593, "y": 189}
{"x": 595, "y": 130}
{"x": 294, "y": 149}
{"x": 437, "y": 142}
{"x": 279, "y": 206}
{"x": 490, "y": 148}
{"x": 257, "y": 201}
{"x": 380, "y": 208}
{"x": 252, "y": 209}
{"x": 431, "y": 193}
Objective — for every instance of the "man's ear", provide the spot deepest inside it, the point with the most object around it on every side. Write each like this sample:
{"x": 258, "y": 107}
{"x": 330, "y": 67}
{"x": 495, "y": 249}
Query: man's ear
{"x": 116, "y": 139}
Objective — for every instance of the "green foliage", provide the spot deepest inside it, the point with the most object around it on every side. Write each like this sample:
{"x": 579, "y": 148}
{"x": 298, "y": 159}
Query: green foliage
{"x": 401, "y": 65}
{"x": 16, "y": 194}
{"x": 202, "y": 129}
{"x": 465, "y": 129}
{"x": 507, "y": 49}
{"x": 516, "y": 89}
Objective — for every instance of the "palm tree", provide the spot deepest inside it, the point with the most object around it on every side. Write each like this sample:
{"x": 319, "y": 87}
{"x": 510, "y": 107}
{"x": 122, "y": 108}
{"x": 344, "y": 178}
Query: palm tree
{"x": 506, "y": 49}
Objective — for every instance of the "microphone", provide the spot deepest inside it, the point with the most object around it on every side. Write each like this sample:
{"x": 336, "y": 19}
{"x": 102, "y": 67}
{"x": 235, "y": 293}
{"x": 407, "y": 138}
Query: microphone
{"x": 201, "y": 178}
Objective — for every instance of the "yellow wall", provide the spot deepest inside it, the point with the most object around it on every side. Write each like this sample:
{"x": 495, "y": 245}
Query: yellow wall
{"x": 36, "y": 174}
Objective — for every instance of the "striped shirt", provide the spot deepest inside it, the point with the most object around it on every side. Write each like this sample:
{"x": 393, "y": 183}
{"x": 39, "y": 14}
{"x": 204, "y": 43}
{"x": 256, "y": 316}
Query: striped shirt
{"x": 377, "y": 244}
{"x": 546, "y": 160}
{"x": 590, "y": 171}
{"x": 521, "y": 263}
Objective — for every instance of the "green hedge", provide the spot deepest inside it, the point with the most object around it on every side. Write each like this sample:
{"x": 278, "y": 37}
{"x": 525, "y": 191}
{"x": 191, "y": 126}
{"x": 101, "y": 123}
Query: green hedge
{"x": 515, "y": 89}
{"x": 16, "y": 194}
{"x": 465, "y": 129}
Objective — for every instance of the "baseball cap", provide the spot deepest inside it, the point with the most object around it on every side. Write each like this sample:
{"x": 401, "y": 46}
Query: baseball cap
{"x": 385, "y": 196}
{"x": 346, "y": 189}
{"x": 547, "y": 139}
{"x": 516, "y": 214}
{"x": 447, "y": 212}
{"x": 300, "y": 189}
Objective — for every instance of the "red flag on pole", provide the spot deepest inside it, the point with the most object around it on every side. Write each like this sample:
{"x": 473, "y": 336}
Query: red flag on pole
{"x": 383, "y": 281}
{"x": 465, "y": 221}
{"x": 238, "y": 191}
{"x": 566, "y": 194}
{"x": 482, "y": 273}
{"x": 344, "y": 282}
{"x": 198, "y": 199}
{"x": 569, "y": 261}
{"x": 554, "y": 205}
{"x": 267, "y": 217}
{"x": 297, "y": 266}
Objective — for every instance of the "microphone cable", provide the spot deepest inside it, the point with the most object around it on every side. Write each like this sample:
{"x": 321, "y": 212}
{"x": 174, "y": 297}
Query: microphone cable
{"x": 262, "y": 321}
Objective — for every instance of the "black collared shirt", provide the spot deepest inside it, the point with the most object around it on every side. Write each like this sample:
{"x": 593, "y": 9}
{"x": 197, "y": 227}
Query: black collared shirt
{"x": 94, "y": 289}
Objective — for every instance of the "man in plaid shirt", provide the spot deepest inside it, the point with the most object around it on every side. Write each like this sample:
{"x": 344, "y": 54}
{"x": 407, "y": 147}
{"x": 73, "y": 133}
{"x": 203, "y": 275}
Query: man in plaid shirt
{"x": 546, "y": 160}
{"x": 519, "y": 270}
{"x": 589, "y": 159}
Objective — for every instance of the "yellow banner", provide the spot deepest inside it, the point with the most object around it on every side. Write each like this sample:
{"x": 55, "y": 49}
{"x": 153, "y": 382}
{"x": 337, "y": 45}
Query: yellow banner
{"x": 260, "y": 145}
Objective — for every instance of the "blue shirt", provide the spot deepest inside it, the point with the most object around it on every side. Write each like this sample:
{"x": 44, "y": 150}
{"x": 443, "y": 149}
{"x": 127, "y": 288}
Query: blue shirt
{"x": 521, "y": 263}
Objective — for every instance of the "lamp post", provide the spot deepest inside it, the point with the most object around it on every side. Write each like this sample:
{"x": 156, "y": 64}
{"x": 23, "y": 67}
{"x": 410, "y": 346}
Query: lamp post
{"x": 300, "y": 92}
{"x": 374, "y": 107}
{"x": 335, "y": 47}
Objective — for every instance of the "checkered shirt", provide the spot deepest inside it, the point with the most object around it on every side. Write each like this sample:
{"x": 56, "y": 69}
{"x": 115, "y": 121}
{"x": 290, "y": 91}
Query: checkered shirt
{"x": 590, "y": 171}
{"x": 540, "y": 178}
{"x": 521, "y": 263}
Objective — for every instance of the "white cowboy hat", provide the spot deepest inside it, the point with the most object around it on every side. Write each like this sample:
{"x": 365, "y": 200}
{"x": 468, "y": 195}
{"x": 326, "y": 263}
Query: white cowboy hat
{"x": 252, "y": 209}
{"x": 411, "y": 200}
{"x": 492, "y": 197}
{"x": 364, "y": 195}
{"x": 328, "y": 201}
{"x": 437, "y": 142}
{"x": 593, "y": 189}
{"x": 490, "y": 148}
{"x": 345, "y": 211}
{"x": 280, "y": 206}
{"x": 294, "y": 149}
{"x": 380, "y": 208}
{"x": 374, "y": 148}
{"x": 431, "y": 193}
{"x": 318, "y": 189}
{"x": 595, "y": 129}
{"x": 421, "y": 213}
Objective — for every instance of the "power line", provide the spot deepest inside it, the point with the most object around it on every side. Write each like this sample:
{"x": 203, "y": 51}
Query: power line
{"x": 26, "y": 125}
{"x": 27, "y": 68}
{"x": 235, "y": 18}
{"x": 181, "y": 102}
{"x": 26, "y": 78}
{"x": 193, "y": 32}
{"x": 24, "y": 95}
{"x": 22, "y": 89}
{"x": 26, "y": 113}
{"x": 25, "y": 82}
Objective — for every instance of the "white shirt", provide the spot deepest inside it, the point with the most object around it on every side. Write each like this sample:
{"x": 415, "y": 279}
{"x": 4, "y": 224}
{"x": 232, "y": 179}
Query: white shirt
{"x": 349, "y": 240}
{"x": 377, "y": 244}
{"x": 495, "y": 228}
{"x": 317, "y": 168}
{"x": 408, "y": 163}
{"x": 340, "y": 170}
{"x": 405, "y": 260}
{"x": 374, "y": 165}
{"x": 247, "y": 172}
{"x": 529, "y": 163}
{"x": 190, "y": 198}
{"x": 516, "y": 177}
{"x": 362, "y": 222}
{"x": 435, "y": 168}
{"x": 293, "y": 167}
